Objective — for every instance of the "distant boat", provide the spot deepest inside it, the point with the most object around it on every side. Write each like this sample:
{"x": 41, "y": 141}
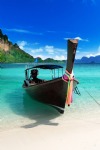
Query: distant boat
{"x": 57, "y": 91}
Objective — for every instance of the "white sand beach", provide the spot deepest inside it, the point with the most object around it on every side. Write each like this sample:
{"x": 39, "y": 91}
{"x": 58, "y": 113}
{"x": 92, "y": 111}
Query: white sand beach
{"x": 28, "y": 125}
{"x": 73, "y": 135}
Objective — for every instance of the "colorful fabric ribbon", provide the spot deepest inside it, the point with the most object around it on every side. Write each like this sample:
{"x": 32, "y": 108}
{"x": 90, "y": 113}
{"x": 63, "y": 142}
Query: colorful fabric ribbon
{"x": 67, "y": 77}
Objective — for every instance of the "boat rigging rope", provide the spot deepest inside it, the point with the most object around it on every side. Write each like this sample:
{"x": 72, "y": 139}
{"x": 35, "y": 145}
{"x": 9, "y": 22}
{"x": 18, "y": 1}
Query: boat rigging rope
{"x": 76, "y": 91}
{"x": 92, "y": 97}
{"x": 67, "y": 77}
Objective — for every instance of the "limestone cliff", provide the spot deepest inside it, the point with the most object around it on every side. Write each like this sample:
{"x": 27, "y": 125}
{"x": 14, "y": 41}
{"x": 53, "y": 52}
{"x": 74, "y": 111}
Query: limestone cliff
{"x": 11, "y": 52}
{"x": 5, "y": 45}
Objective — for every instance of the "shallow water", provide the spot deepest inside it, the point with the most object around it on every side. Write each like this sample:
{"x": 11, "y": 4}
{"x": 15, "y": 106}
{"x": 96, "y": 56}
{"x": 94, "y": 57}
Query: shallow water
{"x": 18, "y": 109}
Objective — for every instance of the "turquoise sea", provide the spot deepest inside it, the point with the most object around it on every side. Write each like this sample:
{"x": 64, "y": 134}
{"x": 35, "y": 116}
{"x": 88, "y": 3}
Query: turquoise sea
{"x": 18, "y": 109}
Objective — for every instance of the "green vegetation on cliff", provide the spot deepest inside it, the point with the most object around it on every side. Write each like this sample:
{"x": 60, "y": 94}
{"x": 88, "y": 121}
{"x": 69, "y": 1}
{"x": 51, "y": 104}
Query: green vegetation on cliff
{"x": 14, "y": 54}
{"x": 51, "y": 60}
{"x": 2, "y": 56}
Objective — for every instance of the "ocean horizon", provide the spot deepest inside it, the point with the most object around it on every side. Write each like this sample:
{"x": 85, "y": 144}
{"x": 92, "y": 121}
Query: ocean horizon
{"x": 18, "y": 109}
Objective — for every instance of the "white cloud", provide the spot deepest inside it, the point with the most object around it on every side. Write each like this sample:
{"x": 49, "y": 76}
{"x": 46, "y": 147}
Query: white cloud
{"x": 99, "y": 49}
{"x": 78, "y": 38}
{"x": 89, "y": 55}
{"x": 18, "y": 30}
{"x": 95, "y": 53}
{"x": 48, "y": 52}
{"x": 22, "y": 31}
{"x": 80, "y": 54}
{"x": 37, "y": 50}
{"x": 44, "y": 52}
{"x": 62, "y": 57}
{"x": 49, "y": 49}
{"x": 22, "y": 44}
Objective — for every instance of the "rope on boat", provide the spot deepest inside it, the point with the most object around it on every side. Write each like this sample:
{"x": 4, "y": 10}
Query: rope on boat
{"x": 67, "y": 77}
{"x": 76, "y": 91}
{"x": 92, "y": 97}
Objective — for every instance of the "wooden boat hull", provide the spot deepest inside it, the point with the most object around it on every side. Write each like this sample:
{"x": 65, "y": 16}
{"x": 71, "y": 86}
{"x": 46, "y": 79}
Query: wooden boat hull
{"x": 54, "y": 92}
{"x": 51, "y": 92}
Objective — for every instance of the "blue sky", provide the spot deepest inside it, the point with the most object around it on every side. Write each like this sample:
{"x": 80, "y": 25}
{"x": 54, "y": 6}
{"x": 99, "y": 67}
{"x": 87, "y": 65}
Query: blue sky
{"x": 41, "y": 27}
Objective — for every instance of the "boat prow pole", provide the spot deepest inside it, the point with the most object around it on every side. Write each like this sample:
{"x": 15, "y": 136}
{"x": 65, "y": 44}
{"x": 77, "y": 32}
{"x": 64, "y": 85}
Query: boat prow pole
{"x": 71, "y": 52}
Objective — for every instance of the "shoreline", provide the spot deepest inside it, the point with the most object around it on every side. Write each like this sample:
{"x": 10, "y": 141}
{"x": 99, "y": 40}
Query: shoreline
{"x": 74, "y": 134}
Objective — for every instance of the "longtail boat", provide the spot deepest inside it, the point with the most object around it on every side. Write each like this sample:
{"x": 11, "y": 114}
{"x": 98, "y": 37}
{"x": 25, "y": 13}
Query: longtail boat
{"x": 56, "y": 92}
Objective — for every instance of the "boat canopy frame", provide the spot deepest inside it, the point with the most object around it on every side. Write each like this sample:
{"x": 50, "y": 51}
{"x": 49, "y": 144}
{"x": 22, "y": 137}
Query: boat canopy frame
{"x": 49, "y": 67}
